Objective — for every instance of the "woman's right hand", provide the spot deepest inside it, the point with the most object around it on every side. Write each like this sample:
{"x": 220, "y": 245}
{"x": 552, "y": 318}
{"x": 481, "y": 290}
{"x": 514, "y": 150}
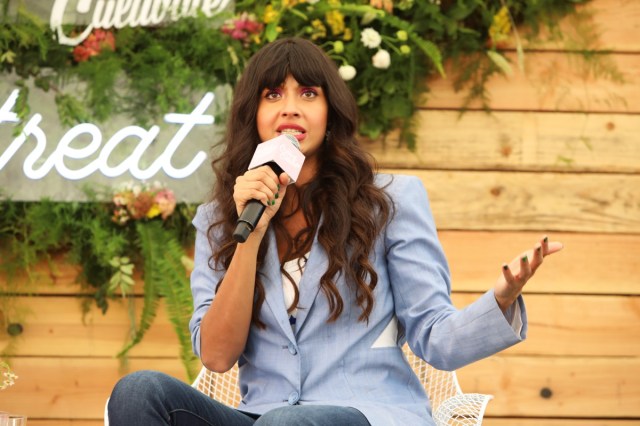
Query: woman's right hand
{"x": 264, "y": 185}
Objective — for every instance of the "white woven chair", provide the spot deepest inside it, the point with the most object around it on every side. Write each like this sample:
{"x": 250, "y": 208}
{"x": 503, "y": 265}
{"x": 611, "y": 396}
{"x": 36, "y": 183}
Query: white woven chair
{"x": 451, "y": 407}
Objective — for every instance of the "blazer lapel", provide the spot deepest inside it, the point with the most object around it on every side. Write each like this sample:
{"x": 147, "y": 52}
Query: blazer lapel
{"x": 272, "y": 281}
{"x": 309, "y": 285}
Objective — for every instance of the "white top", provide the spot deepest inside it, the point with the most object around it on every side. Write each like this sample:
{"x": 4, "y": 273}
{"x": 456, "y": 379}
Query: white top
{"x": 295, "y": 268}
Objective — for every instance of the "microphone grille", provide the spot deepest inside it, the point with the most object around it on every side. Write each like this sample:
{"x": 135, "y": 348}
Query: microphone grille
{"x": 292, "y": 139}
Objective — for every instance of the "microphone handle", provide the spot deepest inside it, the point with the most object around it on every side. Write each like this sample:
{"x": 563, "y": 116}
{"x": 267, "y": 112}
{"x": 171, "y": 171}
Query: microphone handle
{"x": 248, "y": 220}
{"x": 252, "y": 212}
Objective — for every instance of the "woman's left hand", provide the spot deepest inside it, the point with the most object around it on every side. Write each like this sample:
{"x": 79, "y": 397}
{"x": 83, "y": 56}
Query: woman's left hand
{"x": 516, "y": 274}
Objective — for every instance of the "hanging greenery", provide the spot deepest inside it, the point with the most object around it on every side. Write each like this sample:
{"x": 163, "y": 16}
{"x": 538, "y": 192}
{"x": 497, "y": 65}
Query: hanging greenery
{"x": 385, "y": 50}
{"x": 142, "y": 230}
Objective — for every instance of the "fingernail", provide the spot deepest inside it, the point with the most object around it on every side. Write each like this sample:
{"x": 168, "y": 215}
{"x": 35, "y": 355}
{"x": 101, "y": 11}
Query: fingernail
{"x": 273, "y": 202}
{"x": 278, "y": 187}
{"x": 277, "y": 195}
{"x": 545, "y": 239}
{"x": 539, "y": 248}
{"x": 505, "y": 266}
{"x": 524, "y": 258}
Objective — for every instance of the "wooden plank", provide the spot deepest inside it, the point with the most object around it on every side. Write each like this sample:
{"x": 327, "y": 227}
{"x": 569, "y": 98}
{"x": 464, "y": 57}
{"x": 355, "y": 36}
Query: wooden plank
{"x": 588, "y": 264}
{"x": 510, "y": 201}
{"x": 534, "y": 141}
{"x": 76, "y": 388}
{"x": 565, "y": 325}
{"x": 614, "y": 22}
{"x": 80, "y": 422}
{"x": 559, "y": 325}
{"x": 55, "y": 276}
{"x": 580, "y": 387}
{"x": 552, "y": 81}
{"x": 71, "y": 388}
{"x": 55, "y": 327}
{"x": 494, "y": 421}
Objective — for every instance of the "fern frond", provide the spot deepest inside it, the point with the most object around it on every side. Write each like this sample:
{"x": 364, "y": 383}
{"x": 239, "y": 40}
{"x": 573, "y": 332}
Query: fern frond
{"x": 176, "y": 291}
{"x": 165, "y": 276}
{"x": 151, "y": 250}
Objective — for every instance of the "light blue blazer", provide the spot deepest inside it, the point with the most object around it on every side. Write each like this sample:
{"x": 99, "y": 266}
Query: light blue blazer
{"x": 351, "y": 363}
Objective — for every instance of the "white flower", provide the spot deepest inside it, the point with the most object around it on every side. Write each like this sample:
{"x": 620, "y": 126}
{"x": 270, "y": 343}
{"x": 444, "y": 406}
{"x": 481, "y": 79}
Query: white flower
{"x": 370, "y": 38}
{"x": 381, "y": 59}
{"x": 315, "y": 1}
{"x": 347, "y": 72}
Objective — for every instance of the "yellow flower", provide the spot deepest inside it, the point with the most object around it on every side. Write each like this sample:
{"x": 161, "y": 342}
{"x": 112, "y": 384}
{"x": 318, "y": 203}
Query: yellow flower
{"x": 153, "y": 211}
{"x": 318, "y": 29}
{"x": 348, "y": 34}
{"x": 289, "y": 3}
{"x": 270, "y": 14}
{"x": 500, "y": 27}
{"x": 335, "y": 19}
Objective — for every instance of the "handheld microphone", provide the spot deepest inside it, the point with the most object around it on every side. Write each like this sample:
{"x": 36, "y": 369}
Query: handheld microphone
{"x": 282, "y": 154}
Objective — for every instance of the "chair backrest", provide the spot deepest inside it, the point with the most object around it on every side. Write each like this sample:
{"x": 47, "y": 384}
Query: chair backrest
{"x": 450, "y": 406}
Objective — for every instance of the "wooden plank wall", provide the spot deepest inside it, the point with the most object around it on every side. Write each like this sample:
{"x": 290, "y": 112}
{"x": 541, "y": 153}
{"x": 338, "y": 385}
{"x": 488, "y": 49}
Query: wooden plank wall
{"x": 558, "y": 155}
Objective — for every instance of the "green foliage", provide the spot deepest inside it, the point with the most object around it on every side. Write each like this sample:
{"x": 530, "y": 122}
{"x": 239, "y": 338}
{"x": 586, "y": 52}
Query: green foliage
{"x": 145, "y": 72}
{"x": 164, "y": 276}
{"x": 84, "y": 234}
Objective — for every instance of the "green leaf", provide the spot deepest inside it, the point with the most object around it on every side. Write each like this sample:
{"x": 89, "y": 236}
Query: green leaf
{"x": 271, "y": 32}
{"x": 500, "y": 61}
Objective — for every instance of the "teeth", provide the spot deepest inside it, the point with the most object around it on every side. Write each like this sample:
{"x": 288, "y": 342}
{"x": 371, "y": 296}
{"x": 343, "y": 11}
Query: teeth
{"x": 291, "y": 131}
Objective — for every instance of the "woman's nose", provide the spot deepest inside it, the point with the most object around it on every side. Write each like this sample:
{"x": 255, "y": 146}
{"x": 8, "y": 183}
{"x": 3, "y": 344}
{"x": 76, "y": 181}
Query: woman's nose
{"x": 290, "y": 107}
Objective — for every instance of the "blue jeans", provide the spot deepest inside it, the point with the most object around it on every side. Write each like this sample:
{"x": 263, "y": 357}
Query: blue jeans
{"x": 149, "y": 398}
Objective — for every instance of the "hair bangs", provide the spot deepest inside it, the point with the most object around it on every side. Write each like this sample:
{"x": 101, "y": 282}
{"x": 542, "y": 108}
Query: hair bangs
{"x": 305, "y": 63}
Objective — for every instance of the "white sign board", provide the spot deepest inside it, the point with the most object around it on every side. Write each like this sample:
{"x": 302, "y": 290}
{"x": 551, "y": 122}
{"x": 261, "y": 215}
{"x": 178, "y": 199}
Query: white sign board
{"x": 46, "y": 160}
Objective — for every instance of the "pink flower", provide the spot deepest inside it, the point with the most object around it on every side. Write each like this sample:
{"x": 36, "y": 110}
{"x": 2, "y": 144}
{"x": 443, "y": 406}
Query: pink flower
{"x": 242, "y": 27}
{"x": 93, "y": 45}
{"x": 166, "y": 202}
{"x": 135, "y": 202}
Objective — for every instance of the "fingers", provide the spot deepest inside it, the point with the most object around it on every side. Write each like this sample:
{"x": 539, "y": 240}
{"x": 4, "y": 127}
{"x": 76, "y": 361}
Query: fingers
{"x": 550, "y": 247}
{"x": 524, "y": 272}
{"x": 544, "y": 244}
{"x": 525, "y": 268}
{"x": 537, "y": 257}
{"x": 508, "y": 275}
{"x": 260, "y": 184}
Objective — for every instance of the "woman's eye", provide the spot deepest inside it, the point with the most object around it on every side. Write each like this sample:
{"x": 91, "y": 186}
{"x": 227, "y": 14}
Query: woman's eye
{"x": 309, "y": 93}
{"x": 271, "y": 94}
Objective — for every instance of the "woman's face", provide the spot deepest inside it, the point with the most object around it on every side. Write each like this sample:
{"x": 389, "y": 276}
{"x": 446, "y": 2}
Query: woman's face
{"x": 297, "y": 110}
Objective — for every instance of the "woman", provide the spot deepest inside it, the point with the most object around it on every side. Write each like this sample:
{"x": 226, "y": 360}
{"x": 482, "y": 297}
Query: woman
{"x": 343, "y": 267}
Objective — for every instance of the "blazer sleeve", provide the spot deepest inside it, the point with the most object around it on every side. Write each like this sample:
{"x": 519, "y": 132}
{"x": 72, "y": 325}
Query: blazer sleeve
{"x": 204, "y": 279}
{"x": 436, "y": 331}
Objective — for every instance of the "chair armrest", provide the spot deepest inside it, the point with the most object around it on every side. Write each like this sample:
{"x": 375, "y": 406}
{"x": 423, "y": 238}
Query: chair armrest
{"x": 465, "y": 409}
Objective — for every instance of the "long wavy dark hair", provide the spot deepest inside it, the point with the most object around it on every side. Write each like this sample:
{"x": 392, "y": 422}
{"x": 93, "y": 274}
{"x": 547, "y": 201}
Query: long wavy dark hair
{"x": 353, "y": 209}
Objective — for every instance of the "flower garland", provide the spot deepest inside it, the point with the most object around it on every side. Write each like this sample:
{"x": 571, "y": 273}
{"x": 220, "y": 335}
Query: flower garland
{"x": 137, "y": 201}
{"x": 384, "y": 50}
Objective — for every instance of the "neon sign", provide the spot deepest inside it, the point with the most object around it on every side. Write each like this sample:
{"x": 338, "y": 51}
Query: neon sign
{"x": 130, "y": 164}
{"x": 133, "y": 13}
